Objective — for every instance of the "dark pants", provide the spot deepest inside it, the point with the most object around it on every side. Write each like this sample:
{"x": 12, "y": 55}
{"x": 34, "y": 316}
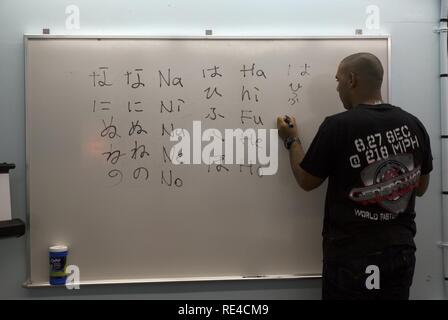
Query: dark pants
{"x": 346, "y": 279}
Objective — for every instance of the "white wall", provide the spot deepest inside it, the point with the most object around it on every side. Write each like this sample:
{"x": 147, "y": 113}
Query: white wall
{"x": 415, "y": 87}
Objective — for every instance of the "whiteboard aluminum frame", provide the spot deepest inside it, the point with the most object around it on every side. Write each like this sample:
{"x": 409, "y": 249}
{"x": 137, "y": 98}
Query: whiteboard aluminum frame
{"x": 31, "y": 285}
{"x": 27, "y": 37}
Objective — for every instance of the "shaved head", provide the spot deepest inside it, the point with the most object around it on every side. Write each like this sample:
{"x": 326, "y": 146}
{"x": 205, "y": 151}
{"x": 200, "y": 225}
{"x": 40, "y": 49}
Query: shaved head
{"x": 367, "y": 67}
{"x": 360, "y": 77}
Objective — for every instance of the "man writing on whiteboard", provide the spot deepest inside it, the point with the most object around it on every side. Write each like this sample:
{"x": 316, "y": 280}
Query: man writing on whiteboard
{"x": 377, "y": 159}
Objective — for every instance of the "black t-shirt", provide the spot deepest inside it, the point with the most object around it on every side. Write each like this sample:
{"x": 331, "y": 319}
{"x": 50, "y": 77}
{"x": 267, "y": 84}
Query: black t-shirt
{"x": 373, "y": 157}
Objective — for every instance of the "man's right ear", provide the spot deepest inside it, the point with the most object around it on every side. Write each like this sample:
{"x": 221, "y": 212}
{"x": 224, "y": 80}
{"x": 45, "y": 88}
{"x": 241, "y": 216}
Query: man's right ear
{"x": 353, "y": 81}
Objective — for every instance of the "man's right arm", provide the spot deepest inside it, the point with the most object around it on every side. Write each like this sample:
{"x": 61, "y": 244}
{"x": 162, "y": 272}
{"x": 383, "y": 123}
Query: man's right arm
{"x": 426, "y": 166}
{"x": 422, "y": 186}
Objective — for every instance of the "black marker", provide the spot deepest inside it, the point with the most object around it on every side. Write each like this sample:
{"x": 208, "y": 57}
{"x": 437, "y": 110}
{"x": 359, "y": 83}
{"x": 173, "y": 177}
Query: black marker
{"x": 288, "y": 121}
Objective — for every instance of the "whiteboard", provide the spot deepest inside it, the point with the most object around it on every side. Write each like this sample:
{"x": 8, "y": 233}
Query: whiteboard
{"x": 198, "y": 222}
{"x": 5, "y": 197}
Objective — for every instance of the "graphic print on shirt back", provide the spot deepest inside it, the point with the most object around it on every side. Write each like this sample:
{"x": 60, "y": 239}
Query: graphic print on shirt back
{"x": 391, "y": 174}
{"x": 388, "y": 183}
